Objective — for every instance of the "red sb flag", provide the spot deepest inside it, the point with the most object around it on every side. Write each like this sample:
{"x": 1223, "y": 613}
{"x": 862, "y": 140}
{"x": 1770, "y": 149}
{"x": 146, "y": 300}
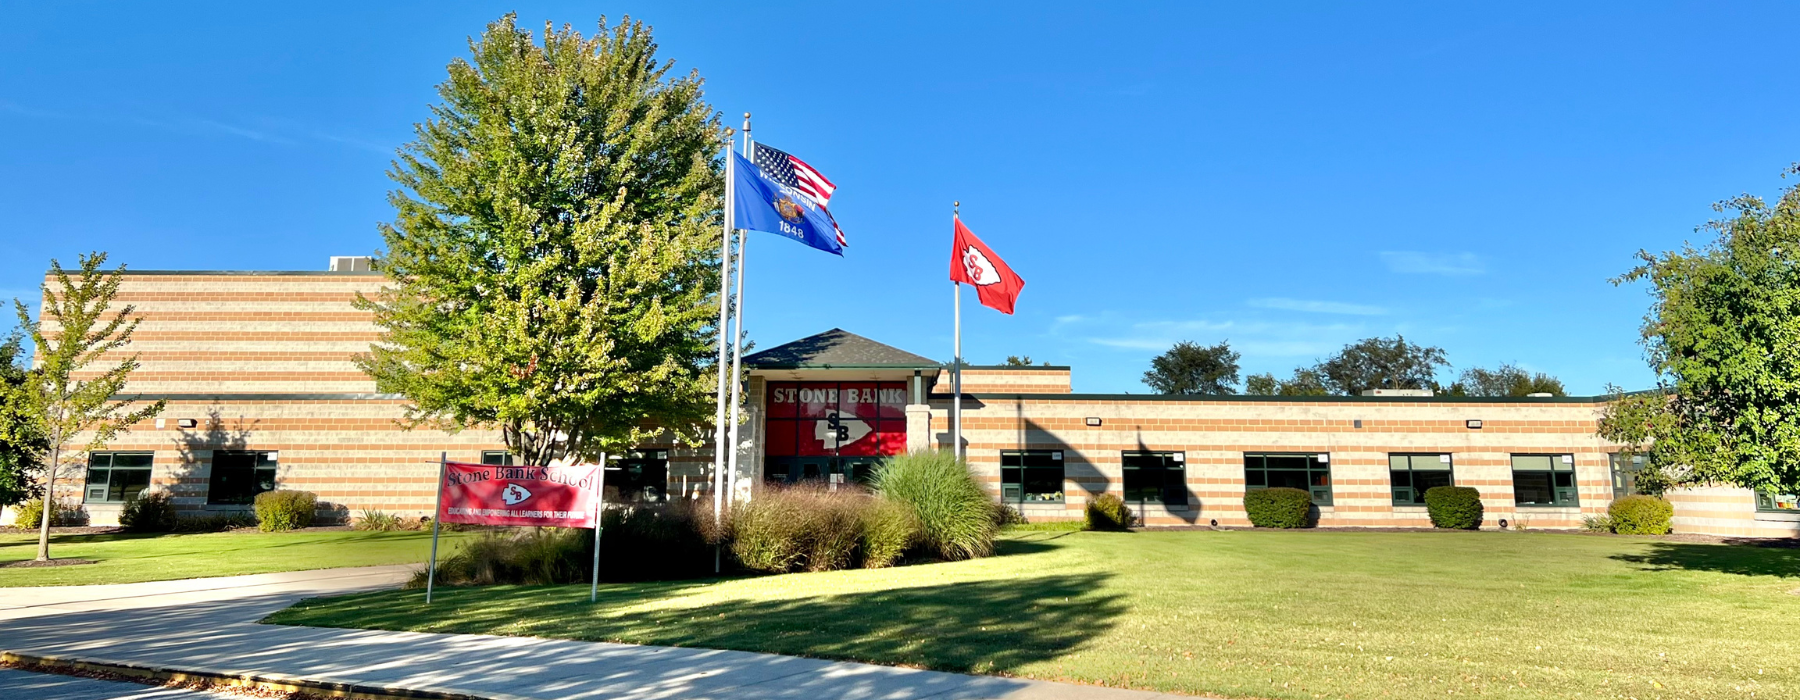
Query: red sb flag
{"x": 972, "y": 262}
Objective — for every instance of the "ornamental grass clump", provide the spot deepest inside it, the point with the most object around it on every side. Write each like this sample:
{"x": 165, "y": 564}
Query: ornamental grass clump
{"x": 530, "y": 556}
{"x": 1454, "y": 507}
{"x": 810, "y": 528}
{"x": 1641, "y": 515}
{"x": 281, "y": 511}
{"x": 1279, "y": 507}
{"x": 956, "y": 516}
{"x": 1108, "y": 512}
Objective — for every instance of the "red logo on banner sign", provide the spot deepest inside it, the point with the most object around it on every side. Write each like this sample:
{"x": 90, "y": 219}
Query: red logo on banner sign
{"x": 480, "y": 494}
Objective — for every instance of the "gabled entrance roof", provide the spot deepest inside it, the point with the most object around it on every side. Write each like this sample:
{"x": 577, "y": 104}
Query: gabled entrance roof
{"x": 837, "y": 349}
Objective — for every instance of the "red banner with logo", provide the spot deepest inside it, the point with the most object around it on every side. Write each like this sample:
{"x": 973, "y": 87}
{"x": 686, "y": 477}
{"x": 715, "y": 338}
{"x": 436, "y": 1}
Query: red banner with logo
{"x": 480, "y": 494}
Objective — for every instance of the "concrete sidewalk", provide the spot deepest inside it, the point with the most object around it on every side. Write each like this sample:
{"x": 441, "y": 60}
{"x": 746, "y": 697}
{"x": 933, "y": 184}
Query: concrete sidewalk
{"x": 209, "y": 626}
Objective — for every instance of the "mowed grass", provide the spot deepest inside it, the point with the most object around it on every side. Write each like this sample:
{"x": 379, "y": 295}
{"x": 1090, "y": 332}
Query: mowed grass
{"x": 1242, "y": 614}
{"x": 134, "y": 558}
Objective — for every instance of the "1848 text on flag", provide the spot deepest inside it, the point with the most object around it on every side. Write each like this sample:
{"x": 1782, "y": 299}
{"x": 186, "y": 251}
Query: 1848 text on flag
{"x": 481, "y": 494}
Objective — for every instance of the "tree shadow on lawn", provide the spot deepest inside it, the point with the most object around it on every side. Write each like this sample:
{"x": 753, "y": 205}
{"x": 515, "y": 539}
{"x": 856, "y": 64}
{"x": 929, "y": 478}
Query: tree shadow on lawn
{"x": 1743, "y": 560}
{"x": 979, "y": 626}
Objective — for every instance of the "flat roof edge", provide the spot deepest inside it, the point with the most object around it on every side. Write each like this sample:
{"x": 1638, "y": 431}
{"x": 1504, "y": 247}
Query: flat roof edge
{"x": 252, "y": 273}
{"x": 1228, "y": 398}
{"x": 248, "y": 396}
{"x": 790, "y": 366}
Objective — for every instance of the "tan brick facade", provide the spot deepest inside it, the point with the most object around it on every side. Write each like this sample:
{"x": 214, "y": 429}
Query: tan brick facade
{"x": 263, "y": 361}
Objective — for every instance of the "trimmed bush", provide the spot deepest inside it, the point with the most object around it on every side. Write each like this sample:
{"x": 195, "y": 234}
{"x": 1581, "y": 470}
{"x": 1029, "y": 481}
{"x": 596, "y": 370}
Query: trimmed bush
{"x": 1108, "y": 512}
{"x": 214, "y": 522}
{"x": 956, "y": 516}
{"x": 1454, "y": 507}
{"x": 280, "y": 511}
{"x": 888, "y": 530}
{"x": 1006, "y": 516}
{"x": 149, "y": 511}
{"x": 66, "y": 514}
{"x": 1641, "y": 515}
{"x": 1278, "y": 507}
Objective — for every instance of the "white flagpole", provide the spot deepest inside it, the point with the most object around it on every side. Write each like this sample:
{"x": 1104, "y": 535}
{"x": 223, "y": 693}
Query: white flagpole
{"x": 956, "y": 447}
{"x": 737, "y": 350}
{"x": 724, "y": 328}
{"x": 437, "y": 521}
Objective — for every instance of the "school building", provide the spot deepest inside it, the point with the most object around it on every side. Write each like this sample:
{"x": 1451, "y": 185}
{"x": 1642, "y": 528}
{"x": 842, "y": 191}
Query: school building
{"x": 262, "y": 393}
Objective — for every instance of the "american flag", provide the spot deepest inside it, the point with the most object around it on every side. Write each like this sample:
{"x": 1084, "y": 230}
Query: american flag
{"x": 781, "y": 167}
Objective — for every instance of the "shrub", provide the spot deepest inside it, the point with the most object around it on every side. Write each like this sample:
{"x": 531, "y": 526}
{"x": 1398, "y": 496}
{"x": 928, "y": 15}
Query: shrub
{"x": 149, "y": 511}
{"x": 1007, "y": 516}
{"x": 1278, "y": 507}
{"x": 1641, "y": 515}
{"x": 1597, "y": 523}
{"x": 1108, "y": 512}
{"x": 1454, "y": 507}
{"x": 655, "y": 542}
{"x": 378, "y": 521}
{"x": 66, "y": 514}
{"x": 280, "y": 511}
{"x": 956, "y": 516}
{"x": 214, "y": 522}
{"x": 799, "y": 527}
{"x": 888, "y": 530}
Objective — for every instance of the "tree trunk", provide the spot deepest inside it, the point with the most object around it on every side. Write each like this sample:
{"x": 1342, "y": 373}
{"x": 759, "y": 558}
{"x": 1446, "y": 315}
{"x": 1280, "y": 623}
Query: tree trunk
{"x": 49, "y": 508}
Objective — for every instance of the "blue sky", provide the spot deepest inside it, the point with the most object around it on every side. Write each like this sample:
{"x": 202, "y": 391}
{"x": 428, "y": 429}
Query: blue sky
{"x": 1290, "y": 177}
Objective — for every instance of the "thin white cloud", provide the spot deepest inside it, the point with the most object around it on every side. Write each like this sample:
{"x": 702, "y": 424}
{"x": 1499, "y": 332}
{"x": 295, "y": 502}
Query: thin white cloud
{"x": 1134, "y": 343}
{"x": 1318, "y": 307}
{"x": 1412, "y": 262}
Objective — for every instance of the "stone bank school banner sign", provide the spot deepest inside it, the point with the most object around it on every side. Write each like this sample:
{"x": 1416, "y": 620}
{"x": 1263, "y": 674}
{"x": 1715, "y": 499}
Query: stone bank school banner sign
{"x": 482, "y": 494}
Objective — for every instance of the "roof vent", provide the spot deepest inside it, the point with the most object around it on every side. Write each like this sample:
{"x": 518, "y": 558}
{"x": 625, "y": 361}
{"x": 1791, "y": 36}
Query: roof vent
{"x": 1539, "y": 395}
{"x": 350, "y": 263}
{"x": 1396, "y": 392}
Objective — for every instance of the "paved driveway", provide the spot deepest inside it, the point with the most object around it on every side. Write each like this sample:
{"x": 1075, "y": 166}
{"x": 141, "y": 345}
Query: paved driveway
{"x": 209, "y": 625}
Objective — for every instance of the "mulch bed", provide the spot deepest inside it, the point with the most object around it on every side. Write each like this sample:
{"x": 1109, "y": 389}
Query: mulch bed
{"x": 35, "y": 564}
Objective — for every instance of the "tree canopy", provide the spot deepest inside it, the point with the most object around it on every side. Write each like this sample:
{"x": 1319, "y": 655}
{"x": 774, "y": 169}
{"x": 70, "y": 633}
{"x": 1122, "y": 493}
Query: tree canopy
{"x": 553, "y": 255}
{"x": 22, "y": 442}
{"x": 1722, "y": 335}
{"x": 1306, "y": 381}
{"x": 1191, "y": 368}
{"x": 1506, "y": 380}
{"x": 1371, "y": 363}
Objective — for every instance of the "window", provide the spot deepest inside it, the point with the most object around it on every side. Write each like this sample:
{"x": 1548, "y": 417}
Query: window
{"x": 1544, "y": 480}
{"x": 1780, "y": 502}
{"x": 1031, "y": 476}
{"x": 1307, "y": 472}
{"x": 1624, "y": 476}
{"x": 642, "y": 476}
{"x": 115, "y": 477}
{"x": 237, "y": 476}
{"x": 1412, "y": 475}
{"x": 1156, "y": 477}
{"x": 498, "y": 458}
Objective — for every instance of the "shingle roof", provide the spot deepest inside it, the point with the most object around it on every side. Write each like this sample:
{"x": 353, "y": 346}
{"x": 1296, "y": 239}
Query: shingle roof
{"x": 837, "y": 348}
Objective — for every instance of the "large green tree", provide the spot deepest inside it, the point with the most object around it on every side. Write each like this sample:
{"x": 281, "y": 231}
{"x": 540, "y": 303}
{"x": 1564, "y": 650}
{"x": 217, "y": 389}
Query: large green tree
{"x": 1382, "y": 363}
{"x": 22, "y": 442}
{"x": 1306, "y": 381}
{"x": 1191, "y": 368}
{"x": 1723, "y": 335}
{"x": 553, "y": 254}
{"x": 73, "y": 396}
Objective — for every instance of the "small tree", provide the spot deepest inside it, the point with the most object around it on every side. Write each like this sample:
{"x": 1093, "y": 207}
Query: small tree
{"x": 1506, "y": 380}
{"x": 553, "y": 253}
{"x": 22, "y": 441}
{"x": 1382, "y": 363}
{"x": 1720, "y": 336}
{"x": 1191, "y": 368}
{"x": 69, "y": 392}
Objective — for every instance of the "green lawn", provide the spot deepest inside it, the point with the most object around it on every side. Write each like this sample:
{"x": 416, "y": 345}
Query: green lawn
{"x": 1243, "y": 614}
{"x": 133, "y": 558}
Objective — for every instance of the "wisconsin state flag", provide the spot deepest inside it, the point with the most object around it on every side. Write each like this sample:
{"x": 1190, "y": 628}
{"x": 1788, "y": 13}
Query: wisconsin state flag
{"x": 972, "y": 262}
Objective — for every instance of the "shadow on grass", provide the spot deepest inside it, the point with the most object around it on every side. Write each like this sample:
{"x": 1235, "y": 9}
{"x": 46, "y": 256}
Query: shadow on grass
{"x": 1728, "y": 559}
{"x": 981, "y": 626}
